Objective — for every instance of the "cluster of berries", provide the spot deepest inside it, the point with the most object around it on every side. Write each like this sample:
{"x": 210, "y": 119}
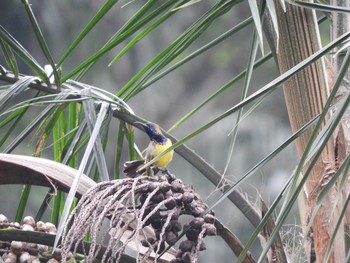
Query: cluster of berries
{"x": 177, "y": 199}
{"x": 156, "y": 211}
{"x": 18, "y": 251}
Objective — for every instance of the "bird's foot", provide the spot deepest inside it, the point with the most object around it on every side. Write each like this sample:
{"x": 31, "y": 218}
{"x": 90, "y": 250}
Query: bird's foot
{"x": 164, "y": 171}
{"x": 156, "y": 170}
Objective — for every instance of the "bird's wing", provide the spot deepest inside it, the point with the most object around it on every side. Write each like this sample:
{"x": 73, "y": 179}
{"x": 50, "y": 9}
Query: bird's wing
{"x": 151, "y": 151}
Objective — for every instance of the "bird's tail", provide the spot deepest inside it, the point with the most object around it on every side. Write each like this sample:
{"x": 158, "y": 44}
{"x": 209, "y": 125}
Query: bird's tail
{"x": 131, "y": 168}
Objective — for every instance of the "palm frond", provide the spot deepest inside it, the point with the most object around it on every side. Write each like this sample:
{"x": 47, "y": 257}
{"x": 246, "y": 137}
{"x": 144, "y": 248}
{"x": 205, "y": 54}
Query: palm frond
{"x": 91, "y": 25}
{"x": 270, "y": 87}
{"x": 10, "y": 58}
{"x": 320, "y": 7}
{"x": 23, "y": 54}
{"x": 247, "y": 79}
{"x": 254, "y": 9}
{"x": 126, "y": 31}
{"x": 84, "y": 162}
{"x": 41, "y": 40}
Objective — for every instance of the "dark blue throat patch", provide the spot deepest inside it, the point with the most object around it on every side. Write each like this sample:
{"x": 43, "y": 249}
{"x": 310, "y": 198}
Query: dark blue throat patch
{"x": 159, "y": 139}
{"x": 155, "y": 135}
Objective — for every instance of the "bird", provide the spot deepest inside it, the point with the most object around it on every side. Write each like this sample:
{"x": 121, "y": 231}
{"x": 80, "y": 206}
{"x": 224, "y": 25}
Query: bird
{"x": 158, "y": 144}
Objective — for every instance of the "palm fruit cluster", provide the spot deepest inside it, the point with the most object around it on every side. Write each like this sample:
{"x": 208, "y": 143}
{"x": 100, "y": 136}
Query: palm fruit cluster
{"x": 145, "y": 209}
{"x": 179, "y": 199}
{"x": 25, "y": 252}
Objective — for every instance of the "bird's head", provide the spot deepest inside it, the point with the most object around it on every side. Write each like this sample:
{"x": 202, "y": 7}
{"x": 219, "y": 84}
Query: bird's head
{"x": 153, "y": 131}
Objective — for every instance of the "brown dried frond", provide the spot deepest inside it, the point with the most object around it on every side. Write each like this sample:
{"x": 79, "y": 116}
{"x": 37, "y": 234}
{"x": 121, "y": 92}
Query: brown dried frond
{"x": 143, "y": 214}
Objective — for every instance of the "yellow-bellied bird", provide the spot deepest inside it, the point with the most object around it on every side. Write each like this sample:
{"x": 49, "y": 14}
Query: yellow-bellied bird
{"x": 159, "y": 143}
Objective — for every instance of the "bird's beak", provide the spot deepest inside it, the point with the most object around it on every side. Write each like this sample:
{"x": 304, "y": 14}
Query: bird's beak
{"x": 139, "y": 125}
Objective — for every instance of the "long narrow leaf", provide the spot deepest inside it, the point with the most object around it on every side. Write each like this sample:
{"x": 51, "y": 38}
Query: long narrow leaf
{"x": 175, "y": 49}
{"x": 23, "y": 54}
{"x": 56, "y": 208}
{"x": 220, "y": 91}
{"x": 283, "y": 4}
{"x": 272, "y": 10}
{"x": 92, "y": 123}
{"x": 118, "y": 38}
{"x": 22, "y": 203}
{"x": 130, "y": 27}
{"x": 9, "y": 57}
{"x": 75, "y": 184}
{"x": 58, "y": 199}
{"x": 69, "y": 153}
{"x": 153, "y": 61}
{"x": 14, "y": 90}
{"x": 41, "y": 40}
{"x": 265, "y": 160}
{"x": 261, "y": 92}
{"x": 250, "y": 66}
{"x": 10, "y": 118}
{"x": 199, "y": 51}
{"x": 91, "y": 24}
{"x": 263, "y": 222}
{"x": 321, "y": 7}
{"x": 41, "y": 101}
{"x": 100, "y": 95}
{"x": 118, "y": 151}
{"x": 333, "y": 120}
{"x": 104, "y": 134}
{"x": 49, "y": 124}
{"x": 140, "y": 36}
{"x": 27, "y": 130}
{"x": 17, "y": 117}
{"x": 256, "y": 17}
{"x": 44, "y": 205}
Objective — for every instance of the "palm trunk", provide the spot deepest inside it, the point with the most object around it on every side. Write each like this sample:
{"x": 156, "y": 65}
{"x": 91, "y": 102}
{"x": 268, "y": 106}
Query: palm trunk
{"x": 305, "y": 95}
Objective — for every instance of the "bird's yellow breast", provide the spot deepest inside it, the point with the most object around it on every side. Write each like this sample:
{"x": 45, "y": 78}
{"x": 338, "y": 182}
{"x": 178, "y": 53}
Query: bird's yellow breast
{"x": 158, "y": 149}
